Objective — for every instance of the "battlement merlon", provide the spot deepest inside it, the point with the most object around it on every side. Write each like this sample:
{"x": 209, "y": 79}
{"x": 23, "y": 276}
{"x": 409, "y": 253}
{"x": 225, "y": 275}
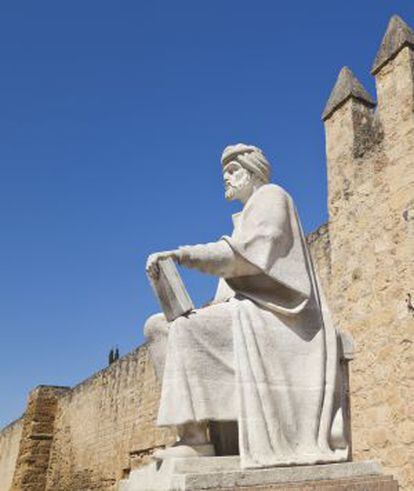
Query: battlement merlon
{"x": 397, "y": 36}
{"x": 347, "y": 87}
{"x": 395, "y": 57}
{"x": 352, "y": 130}
{"x": 393, "y": 69}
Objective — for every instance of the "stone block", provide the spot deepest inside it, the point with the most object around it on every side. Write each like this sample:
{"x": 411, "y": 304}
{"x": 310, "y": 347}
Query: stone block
{"x": 224, "y": 473}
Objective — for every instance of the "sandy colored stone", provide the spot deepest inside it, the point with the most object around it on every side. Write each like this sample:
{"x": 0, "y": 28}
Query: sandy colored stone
{"x": 105, "y": 426}
{"x": 398, "y": 34}
{"x": 346, "y": 86}
{"x": 9, "y": 449}
{"x": 369, "y": 191}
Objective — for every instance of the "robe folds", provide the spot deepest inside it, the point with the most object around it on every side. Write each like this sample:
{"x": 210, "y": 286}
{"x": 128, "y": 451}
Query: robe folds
{"x": 265, "y": 354}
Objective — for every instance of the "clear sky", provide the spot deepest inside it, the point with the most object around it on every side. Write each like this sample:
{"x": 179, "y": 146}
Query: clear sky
{"x": 113, "y": 116}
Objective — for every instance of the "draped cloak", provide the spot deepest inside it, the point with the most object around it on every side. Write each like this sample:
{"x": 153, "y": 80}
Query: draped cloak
{"x": 267, "y": 357}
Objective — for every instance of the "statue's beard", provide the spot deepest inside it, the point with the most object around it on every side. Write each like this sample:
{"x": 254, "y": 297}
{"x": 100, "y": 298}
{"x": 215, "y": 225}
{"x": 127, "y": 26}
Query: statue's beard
{"x": 233, "y": 191}
{"x": 230, "y": 193}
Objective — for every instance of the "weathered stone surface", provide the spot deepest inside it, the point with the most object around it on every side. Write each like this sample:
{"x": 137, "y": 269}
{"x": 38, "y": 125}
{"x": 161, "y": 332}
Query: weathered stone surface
{"x": 37, "y": 434}
{"x": 371, "y": 483}
{"x": 9, "y": 449}
{"x": 320, "y": 246}
{"x": 346, "y": 86}
{"x": 215, "y": 473}
{"x": 372, "y": 266}
{"x": 105, "y": 426}
{"x": 397, "y": 36}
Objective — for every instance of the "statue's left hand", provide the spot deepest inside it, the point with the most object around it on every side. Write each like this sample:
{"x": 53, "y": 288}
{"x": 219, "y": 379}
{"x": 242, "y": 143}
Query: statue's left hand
{"x": 152, "y": 268}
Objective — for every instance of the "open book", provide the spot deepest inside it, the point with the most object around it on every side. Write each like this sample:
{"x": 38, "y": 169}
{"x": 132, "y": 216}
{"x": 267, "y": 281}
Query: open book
{"x": 170, "y": 291}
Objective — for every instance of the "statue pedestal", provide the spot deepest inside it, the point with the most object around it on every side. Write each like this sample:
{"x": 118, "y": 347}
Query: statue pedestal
{"x": 224, "y": 473}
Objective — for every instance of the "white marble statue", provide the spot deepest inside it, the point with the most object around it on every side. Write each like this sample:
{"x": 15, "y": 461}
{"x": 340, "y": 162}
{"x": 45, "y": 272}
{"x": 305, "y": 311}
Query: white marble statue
{"x": 264, "y": 353}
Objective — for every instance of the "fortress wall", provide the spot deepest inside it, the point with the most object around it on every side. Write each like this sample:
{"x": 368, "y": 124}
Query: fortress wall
{"x": 9, "y": 448}
{"x": 371, "y": 207}
{"x": 37, "y": 435}
{"x": 106, "y": 424}
{"x": 320, "y": 248}
{"x": 370, "y": 282}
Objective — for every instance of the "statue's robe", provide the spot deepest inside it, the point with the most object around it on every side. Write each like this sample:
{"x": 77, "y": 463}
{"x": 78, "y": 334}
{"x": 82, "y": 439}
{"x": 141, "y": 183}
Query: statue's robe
{"x": 265, "y": 354}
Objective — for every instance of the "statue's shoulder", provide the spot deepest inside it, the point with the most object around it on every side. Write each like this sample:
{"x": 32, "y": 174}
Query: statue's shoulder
{"x": 272, "y": 191}
{"x": 268, "y": 199}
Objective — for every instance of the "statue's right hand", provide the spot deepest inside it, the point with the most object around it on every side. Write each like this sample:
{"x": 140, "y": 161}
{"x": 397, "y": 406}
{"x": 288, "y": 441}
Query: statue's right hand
{"x": 152, "y": 267}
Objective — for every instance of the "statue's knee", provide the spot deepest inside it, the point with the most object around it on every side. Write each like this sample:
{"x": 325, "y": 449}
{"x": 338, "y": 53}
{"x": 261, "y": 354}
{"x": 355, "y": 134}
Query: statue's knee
{"x": 155, "y": 325}
{"x": 181, "y": 328}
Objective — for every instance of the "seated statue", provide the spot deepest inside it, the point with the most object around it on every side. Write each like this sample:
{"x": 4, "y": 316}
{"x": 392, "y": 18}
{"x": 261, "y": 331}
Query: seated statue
{"x": 264, "y": 353}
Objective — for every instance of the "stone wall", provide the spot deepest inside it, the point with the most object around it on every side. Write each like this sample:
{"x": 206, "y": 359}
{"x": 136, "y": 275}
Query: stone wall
{"x": 320, "y": 248}
{"x": 9, "y": 448}
{"x": 370, "y": 155}
{"x": 105, "y": 425}
{"x": 36, "y": 439}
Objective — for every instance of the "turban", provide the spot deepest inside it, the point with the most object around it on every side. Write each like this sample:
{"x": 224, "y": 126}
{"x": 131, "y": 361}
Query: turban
{"x": 249, "y": 157}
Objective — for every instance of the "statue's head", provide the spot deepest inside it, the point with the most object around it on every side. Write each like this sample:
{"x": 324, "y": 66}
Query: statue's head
{"x": 245, "y": 168}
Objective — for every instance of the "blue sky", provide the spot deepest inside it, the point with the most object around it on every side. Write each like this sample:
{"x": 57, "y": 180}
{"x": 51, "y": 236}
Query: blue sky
{"x": 113, "y": 116}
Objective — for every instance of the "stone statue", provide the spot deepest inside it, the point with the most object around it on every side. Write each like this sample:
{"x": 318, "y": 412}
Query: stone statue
{"x": 264, "y": 353}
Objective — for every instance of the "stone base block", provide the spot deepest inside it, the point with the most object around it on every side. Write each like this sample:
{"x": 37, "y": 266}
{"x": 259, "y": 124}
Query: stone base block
{"x": 224, "y": 473}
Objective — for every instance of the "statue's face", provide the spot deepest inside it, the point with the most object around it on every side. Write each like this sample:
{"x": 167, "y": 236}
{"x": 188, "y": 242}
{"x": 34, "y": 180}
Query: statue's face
{"x": 237, "y": 181}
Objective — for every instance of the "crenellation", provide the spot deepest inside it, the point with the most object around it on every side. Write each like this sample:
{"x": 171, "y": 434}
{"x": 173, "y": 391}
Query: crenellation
{"x": 394, "y": 77}
{"x": 347, "y": 87}
{"x": 397, "y": 36}
{"x": 372, "y": 259}
{"x": 353, "y": 133}
{"x": 395, "y": 89}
